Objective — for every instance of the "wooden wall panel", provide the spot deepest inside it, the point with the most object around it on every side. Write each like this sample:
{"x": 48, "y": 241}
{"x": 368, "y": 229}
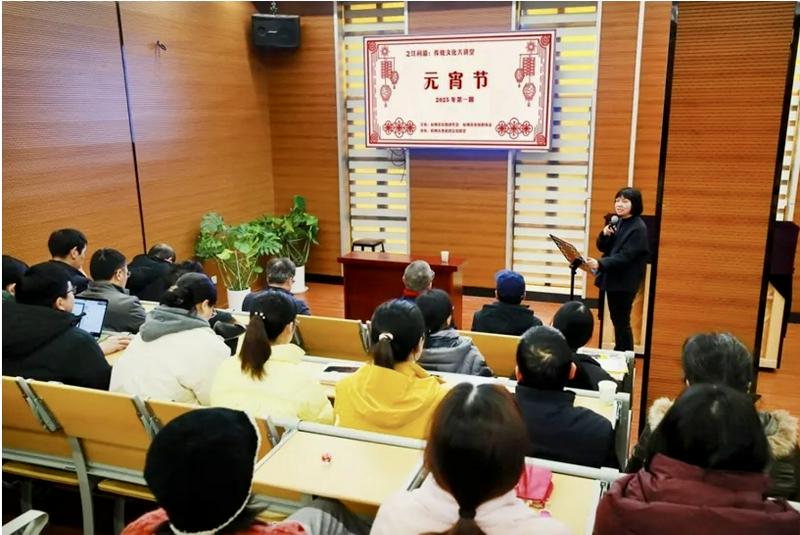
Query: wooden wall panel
{"x": 200, "y": 116}
{"x": 652, "y": 82}
{"x": 458, "y": 197}
{"x": 614, "y": 110}
{"x": 717, "y": 193}
{"x": 67, "y": 159}
{"x": 305, "y": 157}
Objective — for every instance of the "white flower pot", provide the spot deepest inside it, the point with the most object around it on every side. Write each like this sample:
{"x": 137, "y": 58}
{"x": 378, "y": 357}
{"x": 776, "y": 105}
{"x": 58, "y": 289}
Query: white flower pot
{"x": 299, "y": 286}
{"x": 235, "y": 299}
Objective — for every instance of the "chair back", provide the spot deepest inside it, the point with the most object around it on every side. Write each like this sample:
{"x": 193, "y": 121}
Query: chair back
{"x": 499, "y": 350}
{"x": 332, "y": 337}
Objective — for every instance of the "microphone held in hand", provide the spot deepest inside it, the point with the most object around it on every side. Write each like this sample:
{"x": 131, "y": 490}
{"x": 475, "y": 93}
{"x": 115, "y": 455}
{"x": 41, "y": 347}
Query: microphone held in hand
{"x": 614, "y": 222}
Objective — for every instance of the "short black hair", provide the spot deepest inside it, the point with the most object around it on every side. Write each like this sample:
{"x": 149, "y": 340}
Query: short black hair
{"x": 43, "y": 284}
{"x": 436, "y": 307}
{"x": 106, "y": 262}
{"x": 576, "y": 322}
{"x": 62, "y": 241}
{"x": 718, "y": 358}
{"x": 713, "y": 427}
{"x": 162, "y": 251}
{"x": 633, "y": 195}
{"x": 13, "y": 270}
{"x": 280, "y": 270}
{"x": 543, "y": 358}
{"x": 176, "y": 271}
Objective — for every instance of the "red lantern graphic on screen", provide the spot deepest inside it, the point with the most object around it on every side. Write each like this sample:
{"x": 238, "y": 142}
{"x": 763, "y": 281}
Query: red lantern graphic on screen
{"x": 527, "y": 69}
{"x": 388, "y": 74}
{"x": 386, "y": 93}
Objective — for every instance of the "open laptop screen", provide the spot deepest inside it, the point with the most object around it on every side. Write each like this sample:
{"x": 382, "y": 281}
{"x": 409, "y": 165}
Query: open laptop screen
{"x": 94, "y": 313}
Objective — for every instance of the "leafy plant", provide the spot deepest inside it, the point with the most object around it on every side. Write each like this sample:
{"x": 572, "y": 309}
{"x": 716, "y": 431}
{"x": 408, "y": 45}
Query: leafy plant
{"x": 296, "y": 231}
{"x": 236, "y": 248}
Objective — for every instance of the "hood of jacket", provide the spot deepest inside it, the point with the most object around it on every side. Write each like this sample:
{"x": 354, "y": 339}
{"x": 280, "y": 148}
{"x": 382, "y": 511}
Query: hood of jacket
{"x": 391, "y": 398}
{"x": 509, "y": 311}
{"x": 779, "y": 426}
{"x": 164, "y": 320}
{"x": 26, "y": 328}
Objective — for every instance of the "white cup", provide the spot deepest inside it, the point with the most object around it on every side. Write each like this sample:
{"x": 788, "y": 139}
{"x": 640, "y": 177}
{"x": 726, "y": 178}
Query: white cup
{"x": 607, "y": 390}
{"x": 445, "y": 256}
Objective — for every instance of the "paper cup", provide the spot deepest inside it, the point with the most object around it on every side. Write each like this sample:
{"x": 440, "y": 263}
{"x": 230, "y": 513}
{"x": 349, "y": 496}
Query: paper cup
{"x": 445, "y": 256}
{"x": 607, "y": 390}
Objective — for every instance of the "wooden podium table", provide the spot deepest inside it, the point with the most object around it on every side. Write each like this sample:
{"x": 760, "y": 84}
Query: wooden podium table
{"x": 372, "y": 278}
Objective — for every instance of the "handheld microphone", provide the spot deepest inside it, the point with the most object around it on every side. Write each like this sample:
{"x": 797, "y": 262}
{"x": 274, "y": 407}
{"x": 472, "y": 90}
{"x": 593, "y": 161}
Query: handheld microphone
{"x": 615, "y": 222}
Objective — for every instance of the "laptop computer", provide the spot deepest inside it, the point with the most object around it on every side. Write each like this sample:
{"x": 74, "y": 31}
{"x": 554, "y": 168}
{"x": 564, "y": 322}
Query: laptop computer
{"x": 92, "y": 313}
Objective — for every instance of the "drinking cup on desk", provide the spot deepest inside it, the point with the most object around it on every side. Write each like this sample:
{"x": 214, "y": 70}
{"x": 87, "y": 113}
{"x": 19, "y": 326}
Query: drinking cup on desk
{"x": 607, "y": 390}
{"x": 445, "y": 256}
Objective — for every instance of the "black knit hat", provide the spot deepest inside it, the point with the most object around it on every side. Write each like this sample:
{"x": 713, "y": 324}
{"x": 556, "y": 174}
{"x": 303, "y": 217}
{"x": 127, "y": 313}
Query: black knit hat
{"x": 200, "y": 468}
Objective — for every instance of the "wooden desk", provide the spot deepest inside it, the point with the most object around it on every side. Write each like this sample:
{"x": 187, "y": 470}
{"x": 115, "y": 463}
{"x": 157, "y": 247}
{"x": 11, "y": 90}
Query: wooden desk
{"x": 360, "y": 472}
{"x": 372, "y": 278}
{"x": 574, "y": 502}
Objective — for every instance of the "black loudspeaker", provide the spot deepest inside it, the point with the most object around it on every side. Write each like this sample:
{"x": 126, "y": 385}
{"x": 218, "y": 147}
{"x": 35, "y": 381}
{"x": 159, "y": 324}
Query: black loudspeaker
{"x": 276, "y": 31}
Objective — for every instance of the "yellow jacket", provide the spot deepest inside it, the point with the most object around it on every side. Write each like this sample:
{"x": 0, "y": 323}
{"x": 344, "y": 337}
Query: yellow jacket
{"x": 285, "y": 391}
{"x": 397, "y": 402}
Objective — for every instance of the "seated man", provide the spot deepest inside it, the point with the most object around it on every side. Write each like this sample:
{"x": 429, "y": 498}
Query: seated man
{"x": 110, "y": 273}
{"x": 150, "y": 273}
{"x": 68, "y": 249}
{"x": 417, "y": 278}
{"x": 506, "y": 315}
{"x": 559, "y": 431}
{"x": 280, "y": 276}
{"x": 13, "y": 270}
{"x": 41, "y": 339}
{"x": 576, "y": 322}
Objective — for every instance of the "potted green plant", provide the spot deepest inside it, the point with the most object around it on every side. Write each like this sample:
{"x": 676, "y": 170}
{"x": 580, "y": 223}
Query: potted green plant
{"x": 296, "y": 231}
{"x": 236, "y": 249}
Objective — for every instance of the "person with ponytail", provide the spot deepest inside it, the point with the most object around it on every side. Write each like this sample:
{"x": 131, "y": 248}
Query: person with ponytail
{"x": 176, "y": 353}
{"x": 392, "y": 394}
{"x": 266, "y": 378}
{"x": 475, "y": 455}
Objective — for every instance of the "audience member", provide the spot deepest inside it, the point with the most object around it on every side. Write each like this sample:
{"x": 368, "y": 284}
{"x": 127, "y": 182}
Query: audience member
{"x": 280, "y": 276}
{"x": 68, "y": 251}
{"x": 109, "y": 270}
{"x": 475, "y": 454}
{"x": 392, "y": 394}
{"x": 179, "y": 269}
{"x": 149, "y": 273}
{"x": 266, "y": 379}
{"x": 576, "y": 322}
{"x": 507, "y": 315}
{"x": 559, "y": 431}
{"x": 444, "y": 350}
{"x": 13, "y": 270}
{"x": 703, "y": 472}
{"x": 720, "y": 358}
{"x": 417, "y": 278}
{"x": 41, "y": 339}
{"x": 200, "y": 469}
{"x": 176, "y": 354}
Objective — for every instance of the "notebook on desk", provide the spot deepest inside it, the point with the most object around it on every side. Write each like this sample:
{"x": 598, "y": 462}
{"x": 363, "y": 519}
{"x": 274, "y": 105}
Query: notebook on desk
{"x": 92, "y": 313}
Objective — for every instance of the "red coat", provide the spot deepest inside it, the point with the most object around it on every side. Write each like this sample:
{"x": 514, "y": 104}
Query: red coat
{"x": 678, "y": 498}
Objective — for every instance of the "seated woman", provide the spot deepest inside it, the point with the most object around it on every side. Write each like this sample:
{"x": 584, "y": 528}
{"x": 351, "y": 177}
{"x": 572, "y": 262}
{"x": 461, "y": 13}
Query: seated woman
{"x": 720, "y": 358}
{"x": 475, "y": 454}
{"x": 703, "y": 473}
{"x": 576, "y": 322}
{"x": 444, "y": 349}
{"x": 266, "y": 378}
{"x": 176, "y": 354}
{"x": 200, "y": 470}
{"x": 391, "y": 394}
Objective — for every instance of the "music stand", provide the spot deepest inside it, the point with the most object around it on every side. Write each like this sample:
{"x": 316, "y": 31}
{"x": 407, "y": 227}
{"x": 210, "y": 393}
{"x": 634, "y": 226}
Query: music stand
{"x": 574, "y": 258}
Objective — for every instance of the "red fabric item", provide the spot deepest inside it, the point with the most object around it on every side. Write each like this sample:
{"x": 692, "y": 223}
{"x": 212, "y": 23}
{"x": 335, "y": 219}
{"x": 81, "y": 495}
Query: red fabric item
{"x": 410, "y": 293}
{"x": 148, "y": 523}
{"x": 535, "y": 484}
{"x": 678, "y": 498}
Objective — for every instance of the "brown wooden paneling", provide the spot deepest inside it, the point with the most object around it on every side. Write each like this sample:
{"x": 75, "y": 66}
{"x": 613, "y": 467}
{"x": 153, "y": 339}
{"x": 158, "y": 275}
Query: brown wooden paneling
{"x": 200, "y": 116}
{"x": 614, "y": 105}
{"x": 302, "y": 96}
{"x": 796, "y": 278}
{"x": 458, "y": 198}
{"x": 717, "y": 192}
{"x": 652, "y": 81}
{"x": 67, "y": 159}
